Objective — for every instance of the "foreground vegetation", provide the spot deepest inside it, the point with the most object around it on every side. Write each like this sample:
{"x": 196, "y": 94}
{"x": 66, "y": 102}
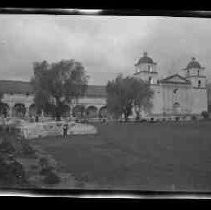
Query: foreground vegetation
{"x": 19, "y": 162}
{"x": 147, "y": 156}
{"x": 12, "y": 173}
{"x": 135, "y": 156}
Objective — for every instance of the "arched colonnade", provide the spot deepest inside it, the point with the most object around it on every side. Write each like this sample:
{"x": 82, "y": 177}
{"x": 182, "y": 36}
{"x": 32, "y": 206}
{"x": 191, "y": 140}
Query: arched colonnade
{"x": 22, "y": 110}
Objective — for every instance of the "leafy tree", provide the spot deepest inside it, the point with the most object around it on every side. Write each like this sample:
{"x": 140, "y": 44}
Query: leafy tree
{"x": 3, "y": 106}
{"x": 205, "y": 114}
{"x": 58, "y": 84}
{"x": 79, "y": 111}
{"x": 1, "y": 95}
{"x": 125, "y": 93}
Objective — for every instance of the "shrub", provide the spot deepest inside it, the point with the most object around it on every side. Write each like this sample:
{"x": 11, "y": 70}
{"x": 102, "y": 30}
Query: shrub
{"x": 205, "y": 114}
{"x": 137, "y": 119}
{"x": 7, "y": 147}
{"x": 177, "y": 118}
{"x": 11, "y": 172}
{"x": 51, "y": 178}
{"x": 184, "y": 117}
{"x": 43, "y": 162}
{"x": 194, "y": 118}
{"x": 17, "y": 169}
{"x": 46, "y": 171}
{"x": 27, "y": 149}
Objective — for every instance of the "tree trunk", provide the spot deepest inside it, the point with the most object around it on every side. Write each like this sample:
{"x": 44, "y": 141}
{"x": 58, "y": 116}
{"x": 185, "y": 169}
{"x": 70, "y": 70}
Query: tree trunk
{"x": 58, "y": 118}
{"x": 58, "y": 112}
{"x": 137, "y": 110}
{"x": 126, "y": 116}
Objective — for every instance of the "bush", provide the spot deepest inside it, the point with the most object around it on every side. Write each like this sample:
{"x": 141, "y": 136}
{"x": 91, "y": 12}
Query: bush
{"x": 177, "y": 119}
{"x": 43, "y": 162}
{"x": 7, "y": 147}
{"x": 17, "y": 170}
{"x": 11, "y": 172}
{"x": 194, "y": 118}
{"x": 46, "y": 171}
{"x": 51, "y": 178}
{"x": 184, "y": 117}
{"x": 27, "y": 149}
{"x": 205, "y": 114}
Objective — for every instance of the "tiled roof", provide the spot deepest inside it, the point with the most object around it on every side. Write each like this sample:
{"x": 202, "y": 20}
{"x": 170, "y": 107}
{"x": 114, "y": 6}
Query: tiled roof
{"x": 20, "y": 87}
{"x": 96, "y": 91}
{"x": 15, "y": 87}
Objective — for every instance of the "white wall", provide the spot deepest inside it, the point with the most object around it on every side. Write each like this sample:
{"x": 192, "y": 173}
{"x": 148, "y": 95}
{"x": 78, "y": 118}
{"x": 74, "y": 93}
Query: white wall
{"x": 200, "y": 102}
{"x": 183, "y": 96}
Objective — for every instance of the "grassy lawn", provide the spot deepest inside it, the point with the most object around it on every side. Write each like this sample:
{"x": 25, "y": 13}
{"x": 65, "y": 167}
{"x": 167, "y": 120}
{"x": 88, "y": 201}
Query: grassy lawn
{"x": 165, "y": 156}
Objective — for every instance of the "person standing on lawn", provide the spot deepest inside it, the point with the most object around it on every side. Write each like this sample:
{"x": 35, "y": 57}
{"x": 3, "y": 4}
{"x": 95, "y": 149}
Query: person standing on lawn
{"x": 65, "y": 129}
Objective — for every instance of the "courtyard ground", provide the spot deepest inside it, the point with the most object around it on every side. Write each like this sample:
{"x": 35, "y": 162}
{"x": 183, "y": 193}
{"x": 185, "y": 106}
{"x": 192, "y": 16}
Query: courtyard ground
{"x": 145, "y": 156}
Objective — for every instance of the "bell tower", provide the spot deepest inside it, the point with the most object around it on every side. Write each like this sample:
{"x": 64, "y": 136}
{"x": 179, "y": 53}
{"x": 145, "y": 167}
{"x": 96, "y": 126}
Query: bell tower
{"x": 195, "y": 74}
{"x": 146, "y": 69}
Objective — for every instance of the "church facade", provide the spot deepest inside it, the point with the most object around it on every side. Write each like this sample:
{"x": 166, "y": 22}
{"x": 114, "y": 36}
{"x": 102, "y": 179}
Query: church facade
{"x": 176, "y": 95}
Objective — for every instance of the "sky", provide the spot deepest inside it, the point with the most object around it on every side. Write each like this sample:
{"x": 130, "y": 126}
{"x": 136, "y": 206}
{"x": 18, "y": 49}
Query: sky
{"x": 105, "y": 45}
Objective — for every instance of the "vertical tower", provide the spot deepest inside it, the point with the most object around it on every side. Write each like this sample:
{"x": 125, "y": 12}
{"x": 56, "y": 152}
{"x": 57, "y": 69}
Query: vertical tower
{"x": 195, "y": 74}
{"x": 146, "y": 69}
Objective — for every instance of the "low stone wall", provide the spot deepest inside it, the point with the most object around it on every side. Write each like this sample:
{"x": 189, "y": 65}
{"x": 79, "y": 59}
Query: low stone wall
{"x": 42, "y": 129}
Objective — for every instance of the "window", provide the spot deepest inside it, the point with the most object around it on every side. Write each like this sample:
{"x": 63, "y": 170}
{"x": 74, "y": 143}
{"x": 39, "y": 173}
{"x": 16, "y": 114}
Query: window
{"x": 149, "y": 68}
{"x": 199, "y": 83}
{"x": 175, "y": 90}
{"x": 198, "y": 72}
{"x": 150, "y": 80}
{"x": 176, "y": 108}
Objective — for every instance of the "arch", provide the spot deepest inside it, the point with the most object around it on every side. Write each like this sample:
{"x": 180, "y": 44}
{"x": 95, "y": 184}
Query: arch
{"x": 199, "y": 83}
{"x": 103, "y": 112}
{"x": 150, "y": 79}
{"x": 79, "y": 111}
{"x": 92, "y": 112}
{"x": 19, "y": 110}
{"x": 32, "y": 110}
{"x": 4, "y": 109}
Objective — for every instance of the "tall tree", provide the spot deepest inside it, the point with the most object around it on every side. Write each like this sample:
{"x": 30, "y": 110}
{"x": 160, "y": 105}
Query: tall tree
{"x": 125, "y": 93}
{"x": 58, "y": 84}
{"x": 3, "y": 107}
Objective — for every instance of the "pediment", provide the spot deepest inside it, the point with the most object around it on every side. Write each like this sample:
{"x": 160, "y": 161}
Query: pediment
{"x": 175, "y": 79}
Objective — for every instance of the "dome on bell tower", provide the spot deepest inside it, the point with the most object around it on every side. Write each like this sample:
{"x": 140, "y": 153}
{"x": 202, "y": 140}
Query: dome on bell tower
{"x": 144, "y": 59}
{"x": 146, "y": 69}
{"x": 193, "y": 64}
